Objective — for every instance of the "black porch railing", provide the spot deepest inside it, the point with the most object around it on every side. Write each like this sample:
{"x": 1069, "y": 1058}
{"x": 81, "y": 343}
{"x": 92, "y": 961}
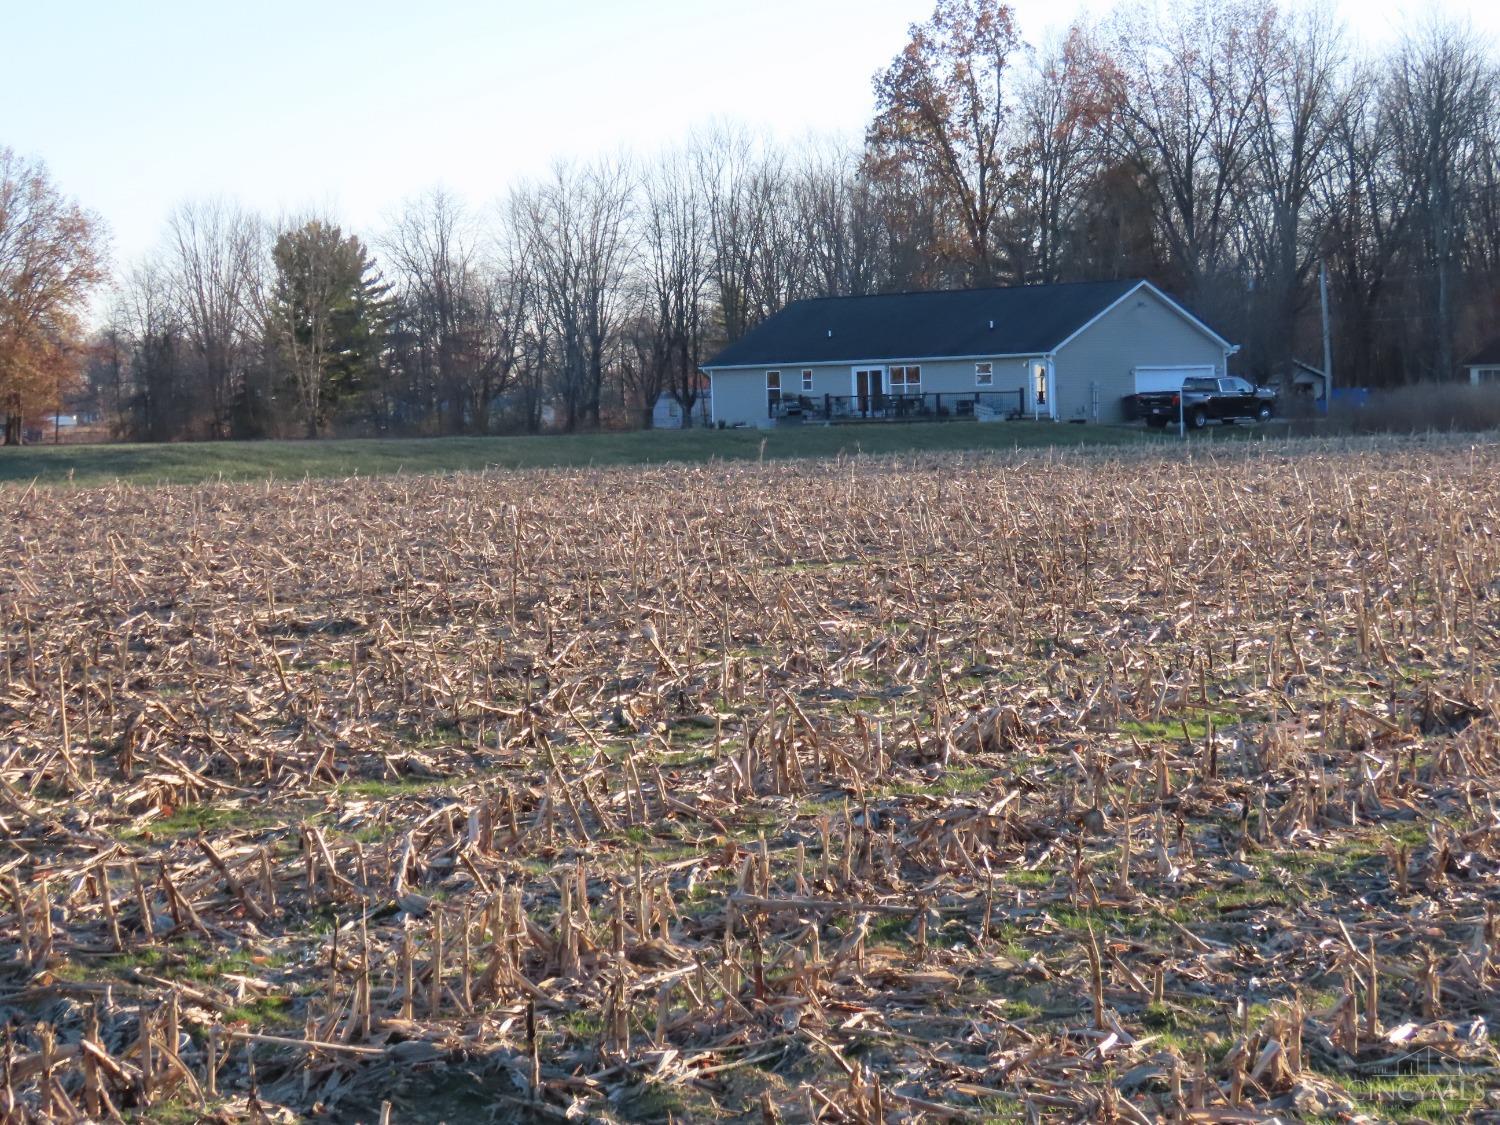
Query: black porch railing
{"x": 938, "y": 406}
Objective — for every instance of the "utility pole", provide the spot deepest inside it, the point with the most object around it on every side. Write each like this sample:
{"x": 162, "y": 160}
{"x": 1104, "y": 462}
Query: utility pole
{"x": 1327, "y": 337}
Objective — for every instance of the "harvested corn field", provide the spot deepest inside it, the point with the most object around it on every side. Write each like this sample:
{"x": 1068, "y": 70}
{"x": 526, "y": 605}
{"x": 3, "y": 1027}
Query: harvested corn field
{"x": 1109, "y": 786}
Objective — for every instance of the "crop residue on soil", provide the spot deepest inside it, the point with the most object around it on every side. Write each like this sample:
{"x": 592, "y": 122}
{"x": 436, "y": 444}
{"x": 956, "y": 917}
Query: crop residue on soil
{"x": 1100, "y": 786}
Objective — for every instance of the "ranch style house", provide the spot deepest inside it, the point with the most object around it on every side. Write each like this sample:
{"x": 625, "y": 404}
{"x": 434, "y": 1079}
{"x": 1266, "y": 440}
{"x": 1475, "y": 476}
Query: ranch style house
{"x": 1070, "y": 353}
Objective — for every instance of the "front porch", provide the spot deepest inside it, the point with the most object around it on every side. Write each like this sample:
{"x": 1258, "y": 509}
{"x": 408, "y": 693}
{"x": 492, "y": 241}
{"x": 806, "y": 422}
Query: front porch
{"x": 945, "y": 406}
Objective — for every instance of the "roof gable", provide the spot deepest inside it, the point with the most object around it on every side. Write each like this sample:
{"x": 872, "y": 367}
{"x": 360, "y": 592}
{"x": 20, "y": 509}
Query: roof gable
{"x": 959, "y": 323}
{"x": 1487, "y": 356}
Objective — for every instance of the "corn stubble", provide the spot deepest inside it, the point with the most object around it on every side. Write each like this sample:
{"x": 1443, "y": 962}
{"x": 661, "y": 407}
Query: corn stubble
{"x": 1118, "y": 786}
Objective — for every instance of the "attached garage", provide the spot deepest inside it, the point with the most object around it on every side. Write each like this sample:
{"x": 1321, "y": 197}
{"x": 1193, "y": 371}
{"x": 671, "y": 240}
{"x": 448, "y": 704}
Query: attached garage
{"x": 1149, "y": 380}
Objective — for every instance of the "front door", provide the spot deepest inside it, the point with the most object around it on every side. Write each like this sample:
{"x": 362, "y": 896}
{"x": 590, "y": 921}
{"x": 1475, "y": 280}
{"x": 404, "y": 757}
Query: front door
{"x": 869, "y": 389}
{"x": 1041, "y": 390}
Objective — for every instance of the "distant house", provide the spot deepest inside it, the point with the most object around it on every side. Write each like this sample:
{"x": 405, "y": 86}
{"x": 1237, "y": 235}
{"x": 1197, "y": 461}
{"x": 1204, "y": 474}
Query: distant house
{"x": 1484, "y": 365}
{"x": 47, "y": 427}
{"x": 1061, "y": 352}
{"x": 1304, "y": 381}
{"x": 666, "y": 414}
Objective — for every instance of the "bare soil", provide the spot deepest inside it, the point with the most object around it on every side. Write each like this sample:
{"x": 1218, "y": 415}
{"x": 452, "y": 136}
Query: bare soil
{"x": 1118, "y": 785}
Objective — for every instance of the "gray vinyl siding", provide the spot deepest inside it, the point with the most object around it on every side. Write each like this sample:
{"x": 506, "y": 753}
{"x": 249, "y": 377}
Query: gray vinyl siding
{"x": 1141, "y": 331}
{"x": 739, "y": 397}
{"x": 1099, "y": 364}
{"x": 957, "y": 376}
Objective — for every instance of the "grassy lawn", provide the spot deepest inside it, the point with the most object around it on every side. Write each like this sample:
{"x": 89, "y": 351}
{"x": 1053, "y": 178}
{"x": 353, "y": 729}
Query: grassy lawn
{"x": 255, "y": 460}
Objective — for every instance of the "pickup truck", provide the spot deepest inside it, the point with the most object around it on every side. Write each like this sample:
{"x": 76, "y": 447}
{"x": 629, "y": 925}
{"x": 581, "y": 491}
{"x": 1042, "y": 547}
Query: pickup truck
{"x": 1202, "y": 400}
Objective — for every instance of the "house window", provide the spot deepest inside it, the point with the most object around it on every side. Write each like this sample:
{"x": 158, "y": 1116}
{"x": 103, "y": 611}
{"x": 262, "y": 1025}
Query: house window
{"x": 773, "y": 393}
{"x": 906, "y": 380}
{"x": 807, "y": 382}
{"x": 984, "y": 374}
{"x": 1486, "y": 374}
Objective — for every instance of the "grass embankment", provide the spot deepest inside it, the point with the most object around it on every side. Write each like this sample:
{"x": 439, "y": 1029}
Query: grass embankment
{"x": 186, "y": 463}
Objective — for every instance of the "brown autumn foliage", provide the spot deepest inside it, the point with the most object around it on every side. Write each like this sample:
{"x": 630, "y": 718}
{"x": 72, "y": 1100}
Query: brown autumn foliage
{"x": 1114, "y": 786}
{"x": 51, "y": 258}
{"x": 942, "y": 107}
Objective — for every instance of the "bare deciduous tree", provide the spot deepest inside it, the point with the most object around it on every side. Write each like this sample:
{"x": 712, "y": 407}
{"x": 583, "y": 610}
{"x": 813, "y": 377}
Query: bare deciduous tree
{"x": 160, "y": 401}
{"x": 576, "y": 230}
{"x": 217, "y": 263}
{"x": 1061, "y": 106}
{"x": 432, "y": 251}
{"x": 675, "y": 272}
{"x": 838, "y": 222}
{"x": 1296, "y": 88}
{"x": 1442, "y": 103}
{"x": 756, "y": 254}
{"x": 1183, "y": 98}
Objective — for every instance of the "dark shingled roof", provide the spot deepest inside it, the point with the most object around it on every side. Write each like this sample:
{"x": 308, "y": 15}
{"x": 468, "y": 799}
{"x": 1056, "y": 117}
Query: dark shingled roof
{"x": 1029, "y": 320}
{"x": 1487, "y": 356}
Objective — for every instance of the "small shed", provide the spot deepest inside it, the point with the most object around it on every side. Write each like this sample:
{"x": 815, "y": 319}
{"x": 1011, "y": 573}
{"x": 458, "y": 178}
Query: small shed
{"x": 1306, "y": 383}
{"x": 667, "y": 413}
{"x": 1484, "y": 365}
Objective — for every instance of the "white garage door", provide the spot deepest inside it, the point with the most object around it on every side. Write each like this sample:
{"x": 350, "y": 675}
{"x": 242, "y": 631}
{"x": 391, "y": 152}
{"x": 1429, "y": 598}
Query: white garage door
{"x": 1149, "y": 379}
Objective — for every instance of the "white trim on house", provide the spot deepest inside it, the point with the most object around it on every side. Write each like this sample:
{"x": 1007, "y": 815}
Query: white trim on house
{"x": 1047, "y": 409}
{"x": 883, "y": 361}
{"x": 867, "y": 367}
{"x": 1484, "y": 373}
{"x": 906, "y": 370}
{"x": 1132, "y": 291}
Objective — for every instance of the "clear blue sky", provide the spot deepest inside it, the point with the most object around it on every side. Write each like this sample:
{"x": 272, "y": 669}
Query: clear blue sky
{"x": 353, "y": 105}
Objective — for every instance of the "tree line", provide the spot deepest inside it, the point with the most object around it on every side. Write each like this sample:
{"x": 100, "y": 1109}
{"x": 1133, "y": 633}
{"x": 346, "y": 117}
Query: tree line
{"x": 1226, "y": 149}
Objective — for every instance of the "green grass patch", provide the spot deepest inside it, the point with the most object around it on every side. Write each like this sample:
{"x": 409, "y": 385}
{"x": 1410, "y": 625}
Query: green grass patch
{"x": 637, "y": 834}
{"x": 1163, "y": 1018}
{"x": 1036, "y": 880}
{"x": 582, "y": 1024}
{"x": 144, "y": 960}
{"x": 177, "y": 1111}
{"x": 950, "y": 783}
{"x": 381, "y": 789}
{"x": 1117, "y": 920}
{"x": 193, "y": 819}
{"x": 1164, "y": 730}
{"x": 892, "y": 929}
{"x": 1247, "y": 896}
{"x": 189, "y": 462}
{"x": 261, "y": 1012}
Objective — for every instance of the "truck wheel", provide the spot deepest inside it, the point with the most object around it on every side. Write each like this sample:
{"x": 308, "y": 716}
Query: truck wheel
{"x": 1264, "y": 413}
{"x": 1199, "y": 419}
